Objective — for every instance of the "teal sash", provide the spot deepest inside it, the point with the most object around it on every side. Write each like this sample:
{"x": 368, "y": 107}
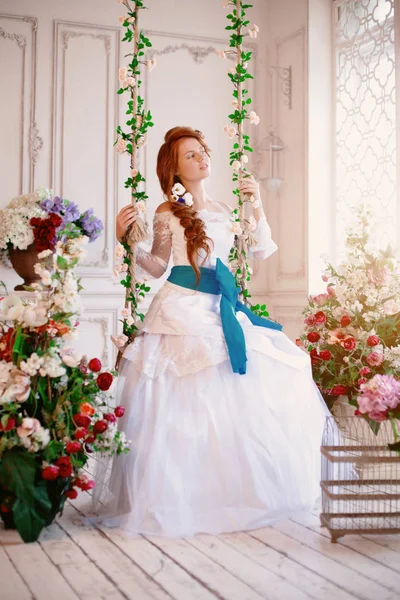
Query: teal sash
{"x": 221, "y": 281}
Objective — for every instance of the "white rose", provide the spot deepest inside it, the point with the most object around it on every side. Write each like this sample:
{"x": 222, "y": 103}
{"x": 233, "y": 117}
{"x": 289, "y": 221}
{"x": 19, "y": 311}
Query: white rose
{"x": 35, "y": 316}
{"x": 178, "y": 189}
{"x": 188, "y": 198}
{"x": 12, "y": 307}
{"x": 236, "y": 165}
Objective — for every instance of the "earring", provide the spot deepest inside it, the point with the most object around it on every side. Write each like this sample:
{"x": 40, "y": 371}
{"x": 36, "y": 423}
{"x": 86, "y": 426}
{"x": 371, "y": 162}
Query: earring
{"x": 179, "y": 194}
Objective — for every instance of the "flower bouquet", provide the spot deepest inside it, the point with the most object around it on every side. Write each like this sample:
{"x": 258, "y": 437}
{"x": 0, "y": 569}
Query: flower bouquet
{"x": 54, "y": 403}
{"x": 35, "y": 222}
{"x": 352, "y": 331}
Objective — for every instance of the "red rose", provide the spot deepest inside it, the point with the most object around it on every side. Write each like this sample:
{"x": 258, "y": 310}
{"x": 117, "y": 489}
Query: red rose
{"x": 81, "y": 433}
{"x": 100, "y": 427}
{"x": 50, "y": 473}
{"x": 119, "y": 411}
{"x": 64, "y": 464}
{"x": 338, "y": 390}
{"x": 320, "y": 317}
{"x": 314, "y": 356}
{"x": 325, "y": 355}
{"x": 71, "y": 494}
{"x": 84, "y": 483}
{"x": 313, "y": 336}
{"x": 95, "y": 365}
{"x": 373, "y": 340}
{"x": 11, "y": 422}
{"x": 362, "y": 380}
{"x": 56, "y": 220}
{"x": 365, "y": 371}
{"x": 90, "y": 439}
{"x": 73, "y": 447}
{"x": 82, "y": 420}
{"x": 349, "y": 343}
{"x": 44, "y": 231}
{"x": 110, "y": 417}
{"x": 345, "y": 321}
{"x": 104, "y": 381}
{"x": 89, "y": 485}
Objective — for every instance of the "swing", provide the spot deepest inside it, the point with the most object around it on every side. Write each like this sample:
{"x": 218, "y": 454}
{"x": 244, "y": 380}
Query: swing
{"x": 140, "y": 120}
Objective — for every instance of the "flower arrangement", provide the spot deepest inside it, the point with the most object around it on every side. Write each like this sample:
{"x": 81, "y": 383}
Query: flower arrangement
{"x": 54, "y": 403}
{"x": 43, "y": 220}
{"x": 352, "y": 331}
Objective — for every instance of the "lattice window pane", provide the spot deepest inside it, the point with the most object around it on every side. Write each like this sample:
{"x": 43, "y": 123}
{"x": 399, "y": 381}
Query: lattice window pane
{"x": 366, "y": 117}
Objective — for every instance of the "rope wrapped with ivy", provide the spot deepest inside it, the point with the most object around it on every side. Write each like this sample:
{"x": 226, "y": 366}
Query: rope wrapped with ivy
{"x": 239, "y": 75}
{"x": 139, "y": 120}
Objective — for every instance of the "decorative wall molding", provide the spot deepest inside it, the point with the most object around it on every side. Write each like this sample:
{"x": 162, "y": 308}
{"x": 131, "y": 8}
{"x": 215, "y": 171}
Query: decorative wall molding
{"x": 294, "y": 192}
{"x": 35, "y": 142}
{"x": 14, "y": 37}
{"x": 32, "y": 145}
{"x": 64, "y": 33}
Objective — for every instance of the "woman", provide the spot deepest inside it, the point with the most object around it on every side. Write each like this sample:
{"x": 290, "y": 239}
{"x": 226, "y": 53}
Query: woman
{"x": 218, "y": 444}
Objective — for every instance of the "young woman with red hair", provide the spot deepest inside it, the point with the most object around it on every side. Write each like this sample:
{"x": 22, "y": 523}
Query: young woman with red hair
{"x": 223, "y": 415}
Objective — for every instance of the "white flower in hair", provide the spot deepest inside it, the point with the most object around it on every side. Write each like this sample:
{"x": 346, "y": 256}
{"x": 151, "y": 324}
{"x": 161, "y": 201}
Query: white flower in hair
{"x": 178, "y": 190}
{"x": 188, "y": 198}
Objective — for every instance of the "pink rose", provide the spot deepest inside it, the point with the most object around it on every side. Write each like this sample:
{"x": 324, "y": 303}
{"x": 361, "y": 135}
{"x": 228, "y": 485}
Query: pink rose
{"x": 122, "y": 73}
{"x": 375, "y": 359}
{"x": 320, "y": 299}
{"x": 310, "y": 320}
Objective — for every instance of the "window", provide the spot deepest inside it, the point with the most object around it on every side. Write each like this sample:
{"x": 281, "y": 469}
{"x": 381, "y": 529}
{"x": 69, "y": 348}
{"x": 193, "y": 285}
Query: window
{"x": 365, "y": 116}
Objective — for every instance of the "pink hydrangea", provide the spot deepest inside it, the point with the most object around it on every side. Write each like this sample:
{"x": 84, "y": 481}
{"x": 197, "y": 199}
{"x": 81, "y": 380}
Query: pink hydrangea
{"x": 380, "y": 394}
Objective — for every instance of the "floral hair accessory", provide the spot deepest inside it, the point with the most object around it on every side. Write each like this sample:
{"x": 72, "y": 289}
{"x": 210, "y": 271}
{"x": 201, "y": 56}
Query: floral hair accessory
{"x": 179, "y": 194}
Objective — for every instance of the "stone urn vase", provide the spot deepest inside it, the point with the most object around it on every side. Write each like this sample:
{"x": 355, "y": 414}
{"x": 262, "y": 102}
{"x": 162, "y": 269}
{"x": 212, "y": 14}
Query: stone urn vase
{"x": 23, "y": 262}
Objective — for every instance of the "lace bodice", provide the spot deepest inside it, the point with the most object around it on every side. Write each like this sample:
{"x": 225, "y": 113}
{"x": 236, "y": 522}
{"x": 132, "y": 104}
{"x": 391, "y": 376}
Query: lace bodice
{"x": 168, "y": 236}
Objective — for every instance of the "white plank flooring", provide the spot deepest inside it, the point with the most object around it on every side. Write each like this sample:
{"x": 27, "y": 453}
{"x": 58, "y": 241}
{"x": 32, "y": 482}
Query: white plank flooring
{"x": 293, "y": 560}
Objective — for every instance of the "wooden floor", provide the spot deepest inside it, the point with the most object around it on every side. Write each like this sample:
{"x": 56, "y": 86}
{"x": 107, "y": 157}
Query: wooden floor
{"x": 293, "y": 560}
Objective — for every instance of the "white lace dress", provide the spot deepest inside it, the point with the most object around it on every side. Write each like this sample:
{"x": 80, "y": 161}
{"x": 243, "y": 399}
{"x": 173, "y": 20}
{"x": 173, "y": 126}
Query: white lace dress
{"x": 212, "y": 451}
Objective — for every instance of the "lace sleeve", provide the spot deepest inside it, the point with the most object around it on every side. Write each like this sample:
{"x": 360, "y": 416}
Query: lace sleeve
{"x": 265, "y": 245}
{"x": 155, "y": 261}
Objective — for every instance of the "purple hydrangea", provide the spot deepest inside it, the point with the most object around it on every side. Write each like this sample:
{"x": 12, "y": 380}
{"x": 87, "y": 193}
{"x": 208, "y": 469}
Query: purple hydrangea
{"x": 71, "y": 213}
{"x": 91, "y": 225}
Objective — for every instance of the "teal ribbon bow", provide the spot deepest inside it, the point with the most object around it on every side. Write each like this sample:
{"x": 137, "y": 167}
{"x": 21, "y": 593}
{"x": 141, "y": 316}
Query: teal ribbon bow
{"x": 221, "y": 281}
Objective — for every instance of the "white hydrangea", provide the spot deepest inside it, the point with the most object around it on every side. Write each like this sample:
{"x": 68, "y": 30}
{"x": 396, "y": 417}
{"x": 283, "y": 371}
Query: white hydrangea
{"x": 111, "y": 441}
{"x": 52, "y": 366}
{"x": 392, "y": 355}
{"x": 5, "y": 368}
{"x": 32, "y": 365}
{"x": 15, "y": 228}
